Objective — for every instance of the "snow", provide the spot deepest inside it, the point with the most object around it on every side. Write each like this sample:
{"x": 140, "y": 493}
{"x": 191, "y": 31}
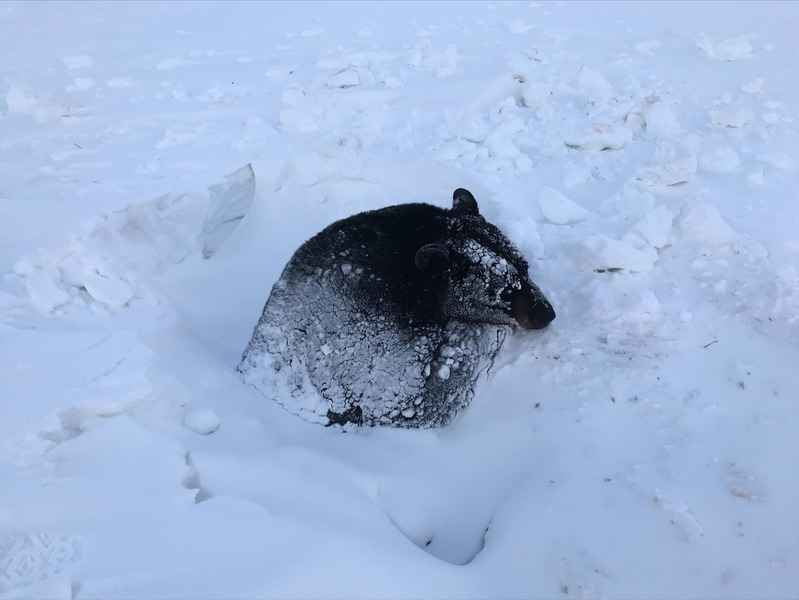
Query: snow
{"x": 202, "y": 421}
{"x": 721, "y": 159}
{"x": 228, "y": 205}
{"x": 642, "y": 446}
{"x": 704, "y": 223}
{"x": 78, "y": 62}
{"x": 558, "y": 209}
{"x": 729, "y": 49}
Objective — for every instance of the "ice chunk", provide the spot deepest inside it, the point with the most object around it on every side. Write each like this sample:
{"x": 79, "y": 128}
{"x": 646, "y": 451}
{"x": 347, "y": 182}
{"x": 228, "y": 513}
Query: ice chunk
{"x": 560, "y": 210}
{"x": 230, "y": 201}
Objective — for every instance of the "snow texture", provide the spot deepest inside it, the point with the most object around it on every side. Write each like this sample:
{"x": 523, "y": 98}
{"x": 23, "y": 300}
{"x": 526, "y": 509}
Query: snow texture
{"x": 642, "y": 446}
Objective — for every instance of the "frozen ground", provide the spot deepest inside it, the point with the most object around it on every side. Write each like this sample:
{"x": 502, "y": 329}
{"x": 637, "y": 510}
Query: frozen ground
{"x": 643, "y": 156}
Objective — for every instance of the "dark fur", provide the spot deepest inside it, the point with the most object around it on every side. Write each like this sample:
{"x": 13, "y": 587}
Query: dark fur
{"x": 394, "y": 314}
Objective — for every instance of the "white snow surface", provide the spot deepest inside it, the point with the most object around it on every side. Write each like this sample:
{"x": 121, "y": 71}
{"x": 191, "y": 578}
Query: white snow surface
{"x": 643, "y": 446}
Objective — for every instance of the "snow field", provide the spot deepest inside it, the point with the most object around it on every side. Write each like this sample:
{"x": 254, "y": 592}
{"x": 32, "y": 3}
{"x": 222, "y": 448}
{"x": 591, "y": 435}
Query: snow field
{"x": 157, "y": 169}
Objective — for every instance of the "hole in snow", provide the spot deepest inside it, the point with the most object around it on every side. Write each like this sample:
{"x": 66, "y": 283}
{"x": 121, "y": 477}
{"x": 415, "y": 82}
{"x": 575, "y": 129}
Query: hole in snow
{"x": 450, "y": 540}
{"x": 192, "y": 481}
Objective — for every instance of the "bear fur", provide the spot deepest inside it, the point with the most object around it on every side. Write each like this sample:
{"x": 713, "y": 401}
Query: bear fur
{"x": 391, "y": 316}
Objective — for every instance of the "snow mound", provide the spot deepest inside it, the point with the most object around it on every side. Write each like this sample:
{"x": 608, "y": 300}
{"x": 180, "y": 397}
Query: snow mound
{"x": 202, "y": 421}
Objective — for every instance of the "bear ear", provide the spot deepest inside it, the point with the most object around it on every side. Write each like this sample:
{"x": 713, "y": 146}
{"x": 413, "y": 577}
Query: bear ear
{"x": 432, "y": 258}
{"x": 463, "y": 202}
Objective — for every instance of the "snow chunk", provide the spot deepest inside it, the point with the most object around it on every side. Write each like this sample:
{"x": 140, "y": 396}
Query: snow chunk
{"x": 20, "y": 100}
{"x": 119, "y": 82}
{"x": 443, "y": 63}
{"x": 77, "y": 62}
{"x": 754, "y": 87}
{"x": 655, "y": 227}
{"x": 230, "y": 201}
{"x": 756, "y": 177}
{"x": 703, "y": 223}
{"x": 780, "y": 161}
{"x": 595, "y": 85}
{"x": 524, "y": 231}
{"x": 661, "y": 120}
{"x": 32, "y": 564}
{"x": 601, "y": 137}
{"x": 98, "y": 279}
{"x": 444, "y": 372}
{"x": 730, "y": 49}
{"x": 743, "y": 484}
{"x": 674, "y": 172}
{"x": 648, "y": 47}
{"x": 608, "y": 253}
{"x": 722, "y": 159}
{"x": 81, "y": 84}
{"x": 346, "y": 78}
{"x": 731, "y": 117}
{"x": 560, "y": 210}
{"x": 519, "y": 27}
{"x": 169, "y": 64}
{"x": 623, "y": 302}
{"x": 203, "y": 421}
{"x": 44, "y": 290}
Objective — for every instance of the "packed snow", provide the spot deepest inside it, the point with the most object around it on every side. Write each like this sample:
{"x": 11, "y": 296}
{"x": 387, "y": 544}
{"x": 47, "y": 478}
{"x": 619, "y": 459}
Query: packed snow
{"x": 159, "y": 164}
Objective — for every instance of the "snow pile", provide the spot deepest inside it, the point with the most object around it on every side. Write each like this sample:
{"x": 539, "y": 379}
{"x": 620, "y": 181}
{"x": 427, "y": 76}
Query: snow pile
{"x": 109, "y": 266}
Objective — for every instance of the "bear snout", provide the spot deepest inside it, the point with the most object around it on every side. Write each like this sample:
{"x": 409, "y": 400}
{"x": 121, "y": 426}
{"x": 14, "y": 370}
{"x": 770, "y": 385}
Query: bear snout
{"x": 532, "y": 312}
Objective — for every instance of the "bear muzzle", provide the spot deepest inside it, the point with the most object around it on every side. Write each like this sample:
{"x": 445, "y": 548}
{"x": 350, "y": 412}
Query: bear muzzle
{"x": 531, "y": 312}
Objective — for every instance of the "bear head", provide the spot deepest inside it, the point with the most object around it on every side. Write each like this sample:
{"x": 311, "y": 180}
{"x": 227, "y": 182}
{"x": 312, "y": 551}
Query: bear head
{"x": 482, "y": 277}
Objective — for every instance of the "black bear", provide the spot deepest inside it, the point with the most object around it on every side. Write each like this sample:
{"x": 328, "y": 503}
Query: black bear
{"x": 390, "y": 317}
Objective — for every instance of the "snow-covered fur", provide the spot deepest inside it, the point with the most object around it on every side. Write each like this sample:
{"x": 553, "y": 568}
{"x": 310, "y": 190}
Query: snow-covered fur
{"x": 391, "y": 316}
